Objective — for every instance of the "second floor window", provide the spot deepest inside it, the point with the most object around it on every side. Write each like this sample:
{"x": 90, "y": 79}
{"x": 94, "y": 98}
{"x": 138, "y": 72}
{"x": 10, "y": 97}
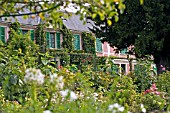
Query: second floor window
{"x": 98, "y": 45}
{"x": 124, "y": 51}
{"x": 53, "y": 40}
{"x": 2, "y": 34}
{"x": 23, "y": 31}
{"x": 76, "y": 42}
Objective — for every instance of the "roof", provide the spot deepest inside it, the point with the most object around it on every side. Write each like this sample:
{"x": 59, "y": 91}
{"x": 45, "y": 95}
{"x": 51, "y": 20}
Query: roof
{"x": 73, "y": 23}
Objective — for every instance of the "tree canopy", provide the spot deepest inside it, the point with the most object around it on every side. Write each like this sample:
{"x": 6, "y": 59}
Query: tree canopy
{"x": 51, "y": 11}
{"x": 146, "y": 26}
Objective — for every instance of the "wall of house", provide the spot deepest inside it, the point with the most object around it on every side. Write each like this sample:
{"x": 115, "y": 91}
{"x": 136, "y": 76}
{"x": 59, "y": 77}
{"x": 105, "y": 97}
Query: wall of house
{"x": 120, "y": 59}
{"x": 106, "y": 49}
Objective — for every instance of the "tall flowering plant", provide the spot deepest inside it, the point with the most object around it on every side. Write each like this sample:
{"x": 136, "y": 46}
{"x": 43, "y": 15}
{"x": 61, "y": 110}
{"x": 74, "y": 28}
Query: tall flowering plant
{"x": 153, "y": 90}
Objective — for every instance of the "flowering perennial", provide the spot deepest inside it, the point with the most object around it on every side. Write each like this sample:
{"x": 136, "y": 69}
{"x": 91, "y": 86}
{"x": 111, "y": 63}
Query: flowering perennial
{"x": 72, "y": 95}
{"x": 58, "y": 80}
{"x": 152, "y": 90}
{"x": 34, "y": 76}
{"x": 116, "y": 108}
{"x": 143, "y": 109}
{"x": 47, "y": 111}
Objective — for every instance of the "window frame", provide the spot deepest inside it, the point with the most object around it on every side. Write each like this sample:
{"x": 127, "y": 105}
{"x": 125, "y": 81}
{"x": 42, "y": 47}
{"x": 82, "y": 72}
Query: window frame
{"x": 75, "y": 48}
{"x": 101, "y": 45}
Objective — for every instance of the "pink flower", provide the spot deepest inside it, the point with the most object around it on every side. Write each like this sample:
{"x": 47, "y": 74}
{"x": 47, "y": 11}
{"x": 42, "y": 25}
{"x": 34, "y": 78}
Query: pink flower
{"x": 157, "y": 93}
{"x": 147, "y": 91}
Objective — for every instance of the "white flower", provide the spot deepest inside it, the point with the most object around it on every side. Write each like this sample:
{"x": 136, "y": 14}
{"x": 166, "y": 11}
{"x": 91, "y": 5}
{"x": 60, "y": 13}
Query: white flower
{"x": 114, "y": 111}
{"x": 143, "y": 110}
{"x": 129, "y": 112}
{"x": 73, "y": 96}
{"x": 121, "y": 109}
{"x": 95, "y": 94}
{"x": 64, "y": 93}
{"x": 52, "y": 77}
{"x": 34, "y": 75}
{"x": 111, "y": 107}
{"x": 142, "y": 106}
{"x": 58, "y": 80}
{"x": 60, "y": 85}
{"x": 116, "y": 105}
{"x": 47, "y": 111}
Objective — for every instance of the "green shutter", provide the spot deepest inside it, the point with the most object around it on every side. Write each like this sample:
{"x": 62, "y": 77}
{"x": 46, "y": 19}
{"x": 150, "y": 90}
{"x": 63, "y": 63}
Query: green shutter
{"x": 98, "y": 45}
{"x": 47, "y": 39}
{"x": 58, "y": 40}
{"x": 123, "y": 51}
{"x": 76, "y": 42}
{"x": 2, "y": 34}
{"x": 32, "y": 35}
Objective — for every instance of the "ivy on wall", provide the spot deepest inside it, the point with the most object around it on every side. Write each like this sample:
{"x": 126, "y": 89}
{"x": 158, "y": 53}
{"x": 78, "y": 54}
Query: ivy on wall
{"x": 88, "y": 44}
{"x": 40, "y": 37}
{"x": 67, "y": 43}
{"x": 13, "y": 27}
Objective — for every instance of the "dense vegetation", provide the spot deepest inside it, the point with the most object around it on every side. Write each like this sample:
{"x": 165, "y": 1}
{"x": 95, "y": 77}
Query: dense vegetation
{"x": 146, "y": 27}
{"x": 28, "y": 85}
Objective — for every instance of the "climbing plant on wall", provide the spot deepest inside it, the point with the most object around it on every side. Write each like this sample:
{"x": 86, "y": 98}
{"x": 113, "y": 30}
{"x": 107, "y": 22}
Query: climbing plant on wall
{"x": 88, "y": 42}
{"x": 15, "y": 27}
{"x": 40, "y": 37}
{"x": 67, "y": 43}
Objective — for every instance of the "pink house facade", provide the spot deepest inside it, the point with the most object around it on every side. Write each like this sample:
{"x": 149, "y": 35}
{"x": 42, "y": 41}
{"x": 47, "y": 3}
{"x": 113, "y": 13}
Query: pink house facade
{"x": 120, "y": 59}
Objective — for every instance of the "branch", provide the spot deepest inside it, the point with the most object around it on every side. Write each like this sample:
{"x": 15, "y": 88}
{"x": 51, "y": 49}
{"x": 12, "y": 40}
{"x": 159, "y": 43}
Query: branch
{"x": 8, "y": 15}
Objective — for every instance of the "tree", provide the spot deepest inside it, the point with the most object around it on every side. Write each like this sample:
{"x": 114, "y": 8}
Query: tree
{"x": 52, "y": 9}
{"x": 147, "y": 27}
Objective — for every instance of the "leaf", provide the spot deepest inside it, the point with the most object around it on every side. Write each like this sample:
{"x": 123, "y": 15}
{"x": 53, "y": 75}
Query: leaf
{"x": 109, "y": 22}
{"x": 111, "y": 14}
{"x": 141, "y": 2}
{"x": 102, "y": 17}
{"x": 25, "y": 16}
{"x": 94, "y": 15}
{"x": 45, "y": 61}
{"x": 116, "y": 18}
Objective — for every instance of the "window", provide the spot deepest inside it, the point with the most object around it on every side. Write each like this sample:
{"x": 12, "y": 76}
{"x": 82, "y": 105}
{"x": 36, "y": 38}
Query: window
{"x": 2, "y": 34}
{"x": 53, "y": 40}
{"x": 124, "y": 51}
{"x": 23, "y": 31}
{"x": 76, "y": 42}
{"x": 98, "y": 45}
{"x": 123, "y": 67}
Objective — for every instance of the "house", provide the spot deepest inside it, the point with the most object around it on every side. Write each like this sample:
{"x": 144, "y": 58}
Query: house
{"x": 76, "y": 27}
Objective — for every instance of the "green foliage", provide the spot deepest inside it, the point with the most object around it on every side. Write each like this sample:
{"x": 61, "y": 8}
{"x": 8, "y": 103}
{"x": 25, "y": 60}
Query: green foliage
{"x": 153, "y": 102}
{"x": 19, "y": 54}
{"x": 67, "y": 39}
{"x": 147, "y": 29}
{"x": 163, "y": 81}
{"x": 143, "y": 74}
{"x": 88, "y": 42}
{"x": 40, "y": 37}
{"x": 14, "y": 27}
{"x": 125, "y": 93}
{"x": 54, "y": 16}
{"x": 162, "y": 84}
